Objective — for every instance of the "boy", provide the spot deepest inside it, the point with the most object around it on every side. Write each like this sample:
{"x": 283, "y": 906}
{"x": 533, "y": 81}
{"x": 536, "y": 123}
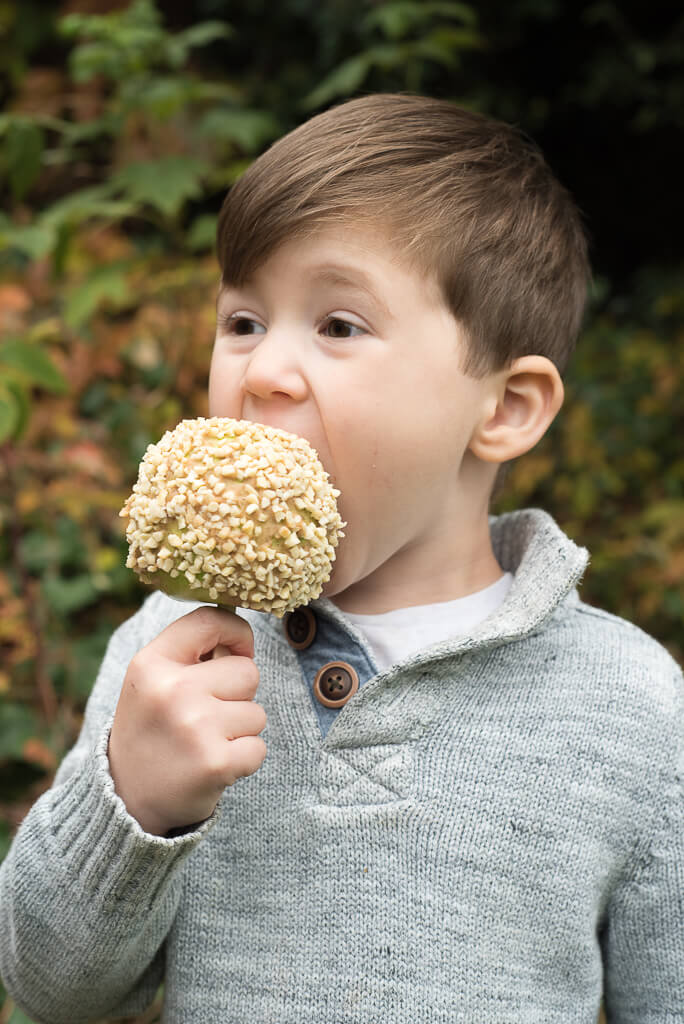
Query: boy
{"x": 490, "y": 829}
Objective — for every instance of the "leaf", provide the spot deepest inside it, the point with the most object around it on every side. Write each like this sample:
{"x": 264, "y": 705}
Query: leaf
{"x": 162, "y": 97}
{"x": 445, "y": 44}
{"x": 18, "y": 724}
{"x": 104, "y": 284}
{"x": 34, "y": 240}
{"x": 5, "y": 840}
{"x": 165, "y": 183}
{"x": 14, "y": 299}
{"x": 22, "y": 153}
{"x": 33, "y": 364}
{"x": 202, "y": 233}
{"x": 23, "y": 402}
{"x": 394, "y": 20}
{"x": 87, "y": 203}
{"x": 397, "y": 20}
{"x": 251, "y": 129}
{"x": 204, "y": 33}
{"x": 18, "y": 1017}
{"x": 9, "y": 413}
{"x": 35, "y": 751}
{"x": 345, "y": 79}
{"x": 65, "y": 596}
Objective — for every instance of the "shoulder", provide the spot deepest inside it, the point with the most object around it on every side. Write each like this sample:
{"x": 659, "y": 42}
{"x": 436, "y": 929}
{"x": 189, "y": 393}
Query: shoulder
{"x": 613, "y": 640}
{"x": 617, "y": 663}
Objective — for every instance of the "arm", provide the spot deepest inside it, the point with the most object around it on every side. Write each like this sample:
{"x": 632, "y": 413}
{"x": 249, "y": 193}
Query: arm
{"x": 643, "y": 940}
{"x": 86, "y": 896}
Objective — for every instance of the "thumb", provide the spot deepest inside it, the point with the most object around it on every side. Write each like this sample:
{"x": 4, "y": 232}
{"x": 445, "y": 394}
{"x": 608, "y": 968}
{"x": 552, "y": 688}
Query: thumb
{"x": 194, "y": 636}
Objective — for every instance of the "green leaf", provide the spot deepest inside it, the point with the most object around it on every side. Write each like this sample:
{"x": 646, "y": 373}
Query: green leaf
{"x": 18, "y": 1017}
{"x": 9, "y": 413}
{"x": 33, "y": 240}
{"x": 22, "y": 153}
{"x": 87, "y": 203}
{"x": 33, "y": 364}
{"x": 445, "y": 45}
{"x": 251, "y": 129}
{"x": 65, "y": 596}
{"x": 448, "y": 9}
{"x": 18, "y": 724}
{"x": 161, "y": 96}
{"x": 86, "y": 657}
{"x": 202, "y": 233}
{"x": 204, "y": 33}
{"x": 227, "y": 174}
{"x": 398, "y": 20}
{"x": 5, "y": 840}
{"x": 165, "y": 183}
{"x": 23, "y": 402}
{"x": 343, "y": 81}
{"x": 104, "y": 284}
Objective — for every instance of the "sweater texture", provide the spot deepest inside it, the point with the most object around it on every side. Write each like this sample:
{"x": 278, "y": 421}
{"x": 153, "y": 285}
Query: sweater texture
{"x": 491, "y": 831}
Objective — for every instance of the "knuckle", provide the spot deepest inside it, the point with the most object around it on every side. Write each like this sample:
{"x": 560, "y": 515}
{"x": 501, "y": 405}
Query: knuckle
{"x": 188, "y": 725}
{"x": 215, "y": 770}
{"x": 205, "y": 618}
{"x": 249, "y": 673}
{"x": 260, "y": 717}
{"x": 246, "y": 755}
{"x": 140, "y": 664}
{"x": 259, "y": 751}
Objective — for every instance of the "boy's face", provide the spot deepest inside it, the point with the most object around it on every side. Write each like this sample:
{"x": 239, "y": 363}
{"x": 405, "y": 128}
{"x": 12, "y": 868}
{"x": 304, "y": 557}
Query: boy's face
{"x": 335, "y": 340}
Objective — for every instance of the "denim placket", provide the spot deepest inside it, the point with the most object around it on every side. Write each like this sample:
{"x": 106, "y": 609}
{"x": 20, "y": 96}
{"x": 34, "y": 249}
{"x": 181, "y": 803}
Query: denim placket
{"x": 332, "y": 643}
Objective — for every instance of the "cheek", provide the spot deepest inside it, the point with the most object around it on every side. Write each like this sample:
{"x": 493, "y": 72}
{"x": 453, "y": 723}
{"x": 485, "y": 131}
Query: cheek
{"x": 223, "y": 386}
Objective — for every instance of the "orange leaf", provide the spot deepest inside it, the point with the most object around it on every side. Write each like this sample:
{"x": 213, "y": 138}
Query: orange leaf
{"x": 36, "y": 752}
{"x": 13, "y": 299}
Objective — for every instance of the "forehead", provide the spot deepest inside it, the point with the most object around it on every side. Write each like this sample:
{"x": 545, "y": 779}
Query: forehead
{"x": 364, "y": 260}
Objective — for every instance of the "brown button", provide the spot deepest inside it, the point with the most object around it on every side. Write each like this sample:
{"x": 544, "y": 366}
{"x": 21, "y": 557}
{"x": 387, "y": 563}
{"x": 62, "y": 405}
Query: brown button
{"x": 335, "y": 684}
{"x": 300, "y": 628}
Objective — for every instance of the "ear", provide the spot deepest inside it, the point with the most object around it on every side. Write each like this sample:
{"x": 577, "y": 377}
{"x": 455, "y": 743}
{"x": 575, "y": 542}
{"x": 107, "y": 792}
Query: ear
{"x": 524, "y": 402}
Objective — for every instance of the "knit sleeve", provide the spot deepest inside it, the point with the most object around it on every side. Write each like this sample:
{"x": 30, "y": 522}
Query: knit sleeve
{"x": 643, "y": 940}
{"x": 86, "y": 896}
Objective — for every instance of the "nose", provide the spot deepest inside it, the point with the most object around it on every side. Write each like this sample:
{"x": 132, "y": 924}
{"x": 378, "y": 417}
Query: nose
{"x": 273, "y": 369}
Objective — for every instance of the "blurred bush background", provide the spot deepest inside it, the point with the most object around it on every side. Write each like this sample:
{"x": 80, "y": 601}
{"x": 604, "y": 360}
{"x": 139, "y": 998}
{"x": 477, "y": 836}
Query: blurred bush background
{"x": 122, "y": 126}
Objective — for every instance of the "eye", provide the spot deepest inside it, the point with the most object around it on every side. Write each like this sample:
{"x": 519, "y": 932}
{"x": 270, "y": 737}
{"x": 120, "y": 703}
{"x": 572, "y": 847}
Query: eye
{"x": 239, "y": 325}
{"x": 337, "y": 327}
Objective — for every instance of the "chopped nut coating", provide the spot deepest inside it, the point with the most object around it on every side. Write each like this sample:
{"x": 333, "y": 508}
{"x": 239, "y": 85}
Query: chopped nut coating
{"x": 193, "y": 515}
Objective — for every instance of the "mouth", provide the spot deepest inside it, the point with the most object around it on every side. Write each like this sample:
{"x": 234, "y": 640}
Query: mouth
{"x": 299, "y": 430}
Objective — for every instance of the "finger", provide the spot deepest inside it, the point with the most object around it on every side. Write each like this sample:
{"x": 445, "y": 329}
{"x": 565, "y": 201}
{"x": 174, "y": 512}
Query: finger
{"x": 247, "y": 754}
{"x": 241, "y": 718}
{"x": 221, "y": 651}
{"x": 230, "y": 678}
{"x": 199, "y": 632}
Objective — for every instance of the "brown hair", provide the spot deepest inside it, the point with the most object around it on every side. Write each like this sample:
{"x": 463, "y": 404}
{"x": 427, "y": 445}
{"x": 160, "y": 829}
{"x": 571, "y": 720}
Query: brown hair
{"x": 468, "y": 201}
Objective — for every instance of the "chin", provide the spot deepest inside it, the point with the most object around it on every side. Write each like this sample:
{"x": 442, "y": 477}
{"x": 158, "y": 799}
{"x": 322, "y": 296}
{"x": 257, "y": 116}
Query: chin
{"x": 331, "y": 588}
{"x": 341, "y": 578}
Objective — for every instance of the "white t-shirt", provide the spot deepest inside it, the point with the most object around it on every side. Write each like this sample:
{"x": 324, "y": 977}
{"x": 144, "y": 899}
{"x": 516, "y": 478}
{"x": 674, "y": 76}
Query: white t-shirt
{"x": 394, "y": 635}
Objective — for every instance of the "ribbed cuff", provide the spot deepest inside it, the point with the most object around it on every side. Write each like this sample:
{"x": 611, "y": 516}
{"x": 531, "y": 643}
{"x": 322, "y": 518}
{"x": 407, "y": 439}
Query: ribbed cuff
{"x": 103, "y": 848}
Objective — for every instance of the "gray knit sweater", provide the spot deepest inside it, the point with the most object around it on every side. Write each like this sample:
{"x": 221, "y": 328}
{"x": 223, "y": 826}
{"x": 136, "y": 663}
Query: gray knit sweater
{"x": 490, "y": 832}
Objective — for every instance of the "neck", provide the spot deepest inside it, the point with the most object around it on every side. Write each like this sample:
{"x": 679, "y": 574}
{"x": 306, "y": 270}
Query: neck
{"x": 449, "y": 563}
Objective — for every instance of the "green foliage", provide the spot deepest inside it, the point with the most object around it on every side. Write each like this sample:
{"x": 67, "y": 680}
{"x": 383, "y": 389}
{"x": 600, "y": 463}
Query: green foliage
{"x": 611, "y": 469}
{"x": 413, "y": 35}
{"x": 23, "y": 365}
{"x": 163, "y": 132}
{"x": 126, "y": 45}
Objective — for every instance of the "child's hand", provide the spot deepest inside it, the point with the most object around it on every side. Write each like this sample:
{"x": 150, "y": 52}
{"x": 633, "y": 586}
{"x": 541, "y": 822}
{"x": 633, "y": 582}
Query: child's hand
{"x": 185, "y": 728}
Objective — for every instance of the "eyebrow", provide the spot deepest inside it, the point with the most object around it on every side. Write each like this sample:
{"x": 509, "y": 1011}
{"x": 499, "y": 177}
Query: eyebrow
{"x": 349, "y": 277}
{"x": 340, "y": 276}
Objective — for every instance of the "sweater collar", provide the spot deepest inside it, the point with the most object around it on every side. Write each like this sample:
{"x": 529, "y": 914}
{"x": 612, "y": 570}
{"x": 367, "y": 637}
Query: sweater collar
{"x": 546, "y": 564}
